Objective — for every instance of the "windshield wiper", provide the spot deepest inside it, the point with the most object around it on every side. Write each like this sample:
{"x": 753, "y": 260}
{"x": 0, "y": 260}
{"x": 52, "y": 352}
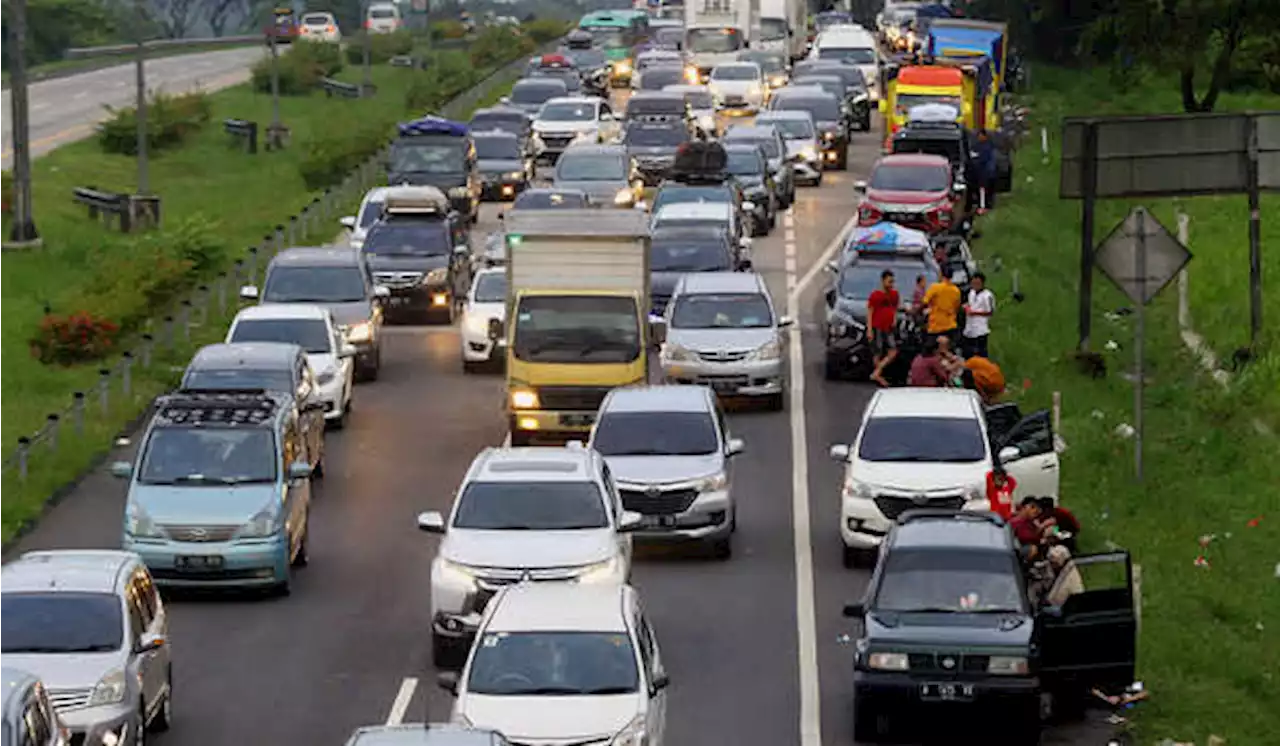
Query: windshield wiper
{"x": 548, "y": 690}
{"x": 610, "y": 690}
{"x": 922, "y": 610}
{"x": 62, "y": 649}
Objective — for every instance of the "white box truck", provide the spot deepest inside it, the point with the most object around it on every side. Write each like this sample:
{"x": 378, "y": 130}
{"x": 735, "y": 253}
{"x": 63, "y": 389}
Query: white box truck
{"x": 715, "y": 31}
{"x": 784, "y": 27}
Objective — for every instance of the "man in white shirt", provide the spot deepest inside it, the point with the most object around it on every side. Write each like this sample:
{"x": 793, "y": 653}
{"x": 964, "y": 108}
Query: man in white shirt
{"x": 978, "y": 308}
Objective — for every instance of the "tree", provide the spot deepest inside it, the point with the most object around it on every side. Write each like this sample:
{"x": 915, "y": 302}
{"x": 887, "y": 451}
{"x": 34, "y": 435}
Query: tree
{"x": 174, "y": 16}
{"x": 220, "y": 12}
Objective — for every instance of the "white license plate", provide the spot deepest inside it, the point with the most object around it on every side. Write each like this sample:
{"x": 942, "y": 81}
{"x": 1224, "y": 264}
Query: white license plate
{"x": 947, "y": 692}
{"x": 660, "y": 521}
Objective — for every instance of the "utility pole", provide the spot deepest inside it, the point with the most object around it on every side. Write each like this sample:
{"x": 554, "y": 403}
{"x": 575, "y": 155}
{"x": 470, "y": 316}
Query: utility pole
{"x": 276, "y": 132}
{"x": 367, "y": 83}
{"x": 144, "y": 186}
{"x": 23, "y": 230}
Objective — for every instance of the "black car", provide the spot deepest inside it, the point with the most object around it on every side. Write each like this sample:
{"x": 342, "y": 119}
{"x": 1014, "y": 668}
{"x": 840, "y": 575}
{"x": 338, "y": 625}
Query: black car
{"x": 855, "y": 86}
{"x": 506, "y": 119}
{"x": 529, "y": 94}
{"x": 830, "y": 119}
{"x": 949, "y": 140}
{"x": 653, "y": 142}
{"x": 856, "y": 100}
{"x": 848, "y": 349}
{"x": 439, "y": 153}
{"x": 660, "y": 76}
{"x": 677, "y": 251}
{"x": 749, "y": 166}
{"x": 423, "y": 259}
{"x": 949, "y": 630}
{"x": 571, "y": 78}
{"x": 647, "y": 104}
{"x": 505, "y": 169}
{"x": 593, "y": 66}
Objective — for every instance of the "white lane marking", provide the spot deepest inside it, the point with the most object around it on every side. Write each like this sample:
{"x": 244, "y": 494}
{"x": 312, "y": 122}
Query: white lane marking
{"x": 80, "y": 95}
{"x": 806, "y": 617}
{"x": 402, "y": 700}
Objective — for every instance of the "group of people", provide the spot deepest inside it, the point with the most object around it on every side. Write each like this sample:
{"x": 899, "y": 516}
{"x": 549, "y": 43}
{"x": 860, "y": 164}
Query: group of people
{"x": 1047, "y": 535}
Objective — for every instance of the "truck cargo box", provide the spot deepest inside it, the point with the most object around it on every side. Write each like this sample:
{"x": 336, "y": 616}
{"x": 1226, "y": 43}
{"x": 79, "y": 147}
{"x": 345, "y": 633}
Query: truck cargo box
{"x": 587, "y": 250}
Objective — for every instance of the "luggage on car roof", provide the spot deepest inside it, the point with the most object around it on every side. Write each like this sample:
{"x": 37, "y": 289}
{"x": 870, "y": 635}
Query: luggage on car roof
{"x": 700, "y": 158}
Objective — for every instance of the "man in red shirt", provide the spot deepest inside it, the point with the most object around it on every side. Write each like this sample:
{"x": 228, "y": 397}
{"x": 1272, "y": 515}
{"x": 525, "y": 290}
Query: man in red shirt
{"x": 882, "y": 317}
{"x": 1026, "y": 524}
{"x": 927, "y": 368}
{"x": 1000, "y": 489}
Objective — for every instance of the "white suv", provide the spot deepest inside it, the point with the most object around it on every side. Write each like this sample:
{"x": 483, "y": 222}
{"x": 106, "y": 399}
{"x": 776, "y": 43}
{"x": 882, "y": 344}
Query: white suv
{"x": 933, "y": 448}
{"x": 537, "y": 514}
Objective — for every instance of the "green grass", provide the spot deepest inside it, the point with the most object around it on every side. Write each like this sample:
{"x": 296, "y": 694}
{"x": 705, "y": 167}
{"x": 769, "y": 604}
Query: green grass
{"x": 245, "y": 194}
{"x": 1209, "y": 648}
{"x": 65, "y": 68}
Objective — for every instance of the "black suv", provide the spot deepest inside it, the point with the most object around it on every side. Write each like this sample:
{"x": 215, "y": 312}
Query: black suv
{"x": 948, "y": 627}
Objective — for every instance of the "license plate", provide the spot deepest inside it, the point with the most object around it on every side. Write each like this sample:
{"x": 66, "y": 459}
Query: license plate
{"x": 947, "y": 692}
{"x": 660, "y": 521}
{"x": 198, "y": 562}
{"x": 399, "y": 300}
{"x": 724, "y": 387}
{"x": 577, "y": 420}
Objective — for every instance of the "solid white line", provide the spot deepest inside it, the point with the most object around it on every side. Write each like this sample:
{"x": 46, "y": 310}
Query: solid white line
{"x": 402, "y": 700}
{"x": 806, "y": 617}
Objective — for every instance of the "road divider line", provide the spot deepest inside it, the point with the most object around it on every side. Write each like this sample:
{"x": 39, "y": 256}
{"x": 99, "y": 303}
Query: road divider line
{"x": 401, "y": 704}
{"x": 806, "y": 615}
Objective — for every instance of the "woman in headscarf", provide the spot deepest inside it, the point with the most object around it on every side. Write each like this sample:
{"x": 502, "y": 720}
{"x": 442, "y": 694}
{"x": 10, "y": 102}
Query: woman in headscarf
{"x": 1067, "y": 582}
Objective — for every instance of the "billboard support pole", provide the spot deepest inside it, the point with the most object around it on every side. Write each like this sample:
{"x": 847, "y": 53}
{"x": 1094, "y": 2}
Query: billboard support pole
{"x": 1088, "y": 188}
{"x": 1255, "y": 234}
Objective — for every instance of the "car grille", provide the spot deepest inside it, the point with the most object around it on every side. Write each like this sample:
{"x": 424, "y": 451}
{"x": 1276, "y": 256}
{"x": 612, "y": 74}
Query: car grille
{"x": 67, "y": 699}
{"x": 397, "y": 279}
{"x": 656, "y": 501}
{"x": 489, "y": 583}
{"x": 248, "y": 573}
{"x": 572, "y": 398}
{"x": 77, "y": 739}
{"x": 893, "y": 505}
{"x": 947, "y": 663}
{"x": 200, "y": 534}
{"x": 556, "y": 140}
{"x": 724, "y": 356}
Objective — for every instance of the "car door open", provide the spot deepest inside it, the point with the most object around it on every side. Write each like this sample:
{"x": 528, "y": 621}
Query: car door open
{"x": 1027, "y": 452}
{"x": 1091, "y": 639}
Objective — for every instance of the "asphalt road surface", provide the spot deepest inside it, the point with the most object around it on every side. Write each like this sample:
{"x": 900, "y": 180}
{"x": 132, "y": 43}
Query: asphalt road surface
{"x": 66, "y": 109}
{"x": 753, "y": 645}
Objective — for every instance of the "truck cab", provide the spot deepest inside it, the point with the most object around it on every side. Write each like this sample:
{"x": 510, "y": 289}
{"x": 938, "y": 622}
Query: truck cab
{"x": 437, "y": 152}
{"x": 717, "y": 30}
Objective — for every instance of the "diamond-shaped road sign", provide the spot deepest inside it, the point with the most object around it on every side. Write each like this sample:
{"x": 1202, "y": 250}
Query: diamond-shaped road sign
{"x": 1117, "y": 256}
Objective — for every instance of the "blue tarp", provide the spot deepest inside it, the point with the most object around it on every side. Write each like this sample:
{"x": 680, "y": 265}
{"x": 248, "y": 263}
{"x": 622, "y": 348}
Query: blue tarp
{"x": 433, "y": 125}
{"x": 887, "y": 238}
{"x": 944, "y": 41}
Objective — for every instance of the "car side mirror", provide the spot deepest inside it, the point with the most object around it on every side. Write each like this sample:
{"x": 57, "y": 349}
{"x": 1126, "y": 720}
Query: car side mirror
{"x": 830, "y": 297}
{"x": 854, "y": 610}
{"x": 786, "y": 322}
{"x": 660, "y": 682}
{"x": 347, "y": 350}
{"x": 381, "y": 291}
{"x": 495, "y": 329}
{"x": 461, "y": 250}
{"x": 249, "y": 292}
{"x": 431, "y": 522}
{"x": 448, "y": 681}
{"x": 744, "y": 265}
{"x": 1009, "y": 453}
{"x": 122, "y": 469}
{"x": 749, "y": 206}
{"x": 657, "y": 329}
{"x": 745, "y": 243}
{"x": 860, "y": 187}
{"x": 148, "y": 643}
{"x": 832, "y": 267}
{"x": 839, "y": 452}
{"x": 630, "y": 521}
{"x": 348, "y": 222}
{"x": 504, "y": 100}
{"x": 734, "y": 447}
{"x": 299, "y": 470}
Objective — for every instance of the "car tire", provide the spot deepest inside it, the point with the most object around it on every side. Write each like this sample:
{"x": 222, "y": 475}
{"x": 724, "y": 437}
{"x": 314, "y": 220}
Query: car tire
{"x": 317, "y": 472}
{"x": 722, "y": 549}
{"x": 520, "y": 438}
{"x": 759, "y": 228}
{"x": 164, "y": 716}
{"x": 867, "y": 724}
{"x": 445, "y": 653}
{"x": 776, "y": 402}
{"x": 851, "y": 558}
{"x": 831, "y": 370}
{"x": 773, "y": 218}
{"x": 818, "y": 181}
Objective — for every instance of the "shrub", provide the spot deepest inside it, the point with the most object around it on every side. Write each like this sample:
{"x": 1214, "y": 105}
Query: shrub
{"x": 302, "y": 66}
{"x": 74, "y": 338}
{"x": 170, "y": 121}
{"x": 448, "y": 30}
{"x": 382, "y": 47}
{"x": 328, "y": 158}
{"x": 448, "y": 75}
{"x": 497, "y": 45}
{"x": 546, "y": 29}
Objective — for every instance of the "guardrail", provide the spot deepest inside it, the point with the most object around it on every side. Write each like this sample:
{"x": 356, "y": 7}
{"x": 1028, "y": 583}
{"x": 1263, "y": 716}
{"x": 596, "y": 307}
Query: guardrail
{"x": 244, "y": 130}
{"x": 128, "y": 210}
{"x": 333, "y": 88}
{"x": 121, "y": 50}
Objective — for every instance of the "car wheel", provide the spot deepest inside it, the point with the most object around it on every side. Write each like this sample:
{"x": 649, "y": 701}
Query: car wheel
{"x": 317, "y": 472}
{"x": 446, "y": 653}
{"x": 776, "y": 402}
{"x": 722, "y": 549}
{"x": 341, "y": 421}
{"x": 773, "y": 218}
{"x": 851, "y": 558}
{"x": 759, "y": 228}
{"x": 832, "y": 370}
{"x": 818, "y": 181}
{"x": 868, "y": 725}
{"x": 471, "y": 366}
{"x": 302, "y": 558}
{"x": 164, "y": 716}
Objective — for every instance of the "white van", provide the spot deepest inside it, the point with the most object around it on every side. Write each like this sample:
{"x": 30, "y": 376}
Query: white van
{"x": 852, "y": 44}
{"x": 383, "y": 18}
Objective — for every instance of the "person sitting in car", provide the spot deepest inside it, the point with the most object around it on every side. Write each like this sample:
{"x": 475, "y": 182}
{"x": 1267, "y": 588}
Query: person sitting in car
{"x": 1067, "y": 581}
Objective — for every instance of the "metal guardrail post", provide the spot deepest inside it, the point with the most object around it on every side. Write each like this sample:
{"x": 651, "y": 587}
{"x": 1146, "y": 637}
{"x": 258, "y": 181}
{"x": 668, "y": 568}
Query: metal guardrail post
{"x": 278, "y": 238}
{"x": 24, "y": 449}
{"x": 77, "y": 412}
{"x": 126, "y": 374}
{"x": 148, "y": 342}
{"x": 185, "y": 316}
{"x": 222, "y": 293}
{"x": 293, "y": 230}
{"x": 252, "y": 279}
{"x": 52, "y": 428}
{"x": 167, "y": 338}
{"x": 104, "y": 390}
{"x": 202, "y": 305}
{"x": 237, "y": 272}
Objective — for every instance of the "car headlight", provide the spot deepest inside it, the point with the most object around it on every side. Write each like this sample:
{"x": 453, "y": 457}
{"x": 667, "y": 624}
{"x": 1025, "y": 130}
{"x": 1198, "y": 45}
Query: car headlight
{"x": 455, "y": 573}
{"x": 622, "y": 67}
{"x": 976, "y": 492}
{"x": 713, "y": 482}
{"x": 1007, "y": 665}
{"x": 675, "y": 353}
{"x": 524, "y": 399}
{"x": 460, "y": 191}
{"x": 771, "y": 350}
{"x": 139, "y": 524}
{"x": 109, "y": 690}
{"x": 829, "y": 136}
{"x": 887, "y": 661}
{"x": 436, "y": 276}
{"x": 585, "y": 136}
{"x": 514, "y": 175}
{"x": 262, "y": 525}
{"x": 855, "y": 490}
{"x": 754, "y": 90}
{"x": 601, "y": 572}
{"x": 777, "y": 81}
{"x": 362, "y": 332}
{"x": 624, "y": 197}
{"x": 325, "y": 377}
{"x": 632, "y": 735}
{"x": 691, "y": 75}
{"x": 808, "y": 153}
{"x": 707, "y": 122}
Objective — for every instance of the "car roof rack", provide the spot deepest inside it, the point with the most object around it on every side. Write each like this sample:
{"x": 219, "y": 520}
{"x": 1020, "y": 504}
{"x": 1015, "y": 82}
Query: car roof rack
{"x": 204, "y": 407}
{"x": 971, "y": 516}
{"x": 433, "y": 125}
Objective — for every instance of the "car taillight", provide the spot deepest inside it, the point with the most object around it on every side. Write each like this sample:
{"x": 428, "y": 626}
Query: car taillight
{"x": 368, "y": 23}
{"x": 330, "y": 29}
{"x": 869, "y": 214}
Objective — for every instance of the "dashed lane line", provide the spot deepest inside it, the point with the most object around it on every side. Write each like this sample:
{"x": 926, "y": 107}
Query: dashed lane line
{"x": 401, "y": 704}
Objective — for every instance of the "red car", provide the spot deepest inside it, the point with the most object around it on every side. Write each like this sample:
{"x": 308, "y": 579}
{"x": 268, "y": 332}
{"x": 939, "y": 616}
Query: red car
{"x": 913, "y": 190}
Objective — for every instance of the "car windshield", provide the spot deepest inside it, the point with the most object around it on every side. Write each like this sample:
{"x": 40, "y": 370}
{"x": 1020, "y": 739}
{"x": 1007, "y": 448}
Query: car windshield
{"x": 674, "y": 195}
{"x": 669, "y": 36}
{"x": 910, "y": 178}
{"x": 530, "y": 506}
{"x": 823, "y": 109}
{"x": 744, "y": 163}
{"x": 566, "y": 112}
{"x": 713, "y": 40}
{"x": 722, "y": 311}
{"x": 426, "y": 158}
{"x": 522, "y": 664}
{"x": 856, "y": 55}
{"x": 792, "y": 129}
{"x": 688, "y": 254}
{"x": 832, "y": 85}
{"x": 60, "y": 622}
{"x": 736, "y": 72}
{"x": 657, "y": 78}
{"x": 498, "y": 148}
{"x": 656, "y": 434}
{"x": 769, "y": 144}
{"x": 535, "y": 93}
{"x": 608, "y": 37}
{"x": 591, "y": 167}
{"x": 948, "y": 440}
{"x": 567, "y": 76}
{"x": 515, "y": 124}
{"x": 371, "y": 212}
{"x": 239, "y": 379}
{"x": 860, "y": 280}
{"x": 647, "y": 61}
{"x": 549, "y": 201}
{"x": 491, "y": 287}
{"x": 311, "y": 335}
{"x": 407, "y": 237}
{"x": 299, "y": 284}
{"x": 382, "y": 13}
{"x": 908, "y": 101}
{"x": 699, "y": 100}
{"x": 773, "y": 29}
{"x": 209, "y": 455}
{"x": 939, "y": 581}
{"x": 577, "y": 329}
{"x": 947, "y": 148}
{"x": 316, "y": 19}
{"x": 647, "y": 137}
{"x": 586, "y": 59}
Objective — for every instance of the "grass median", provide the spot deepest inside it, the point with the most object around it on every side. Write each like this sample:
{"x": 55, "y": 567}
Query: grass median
{"x": 1209, "y": 651}
{"x": 207, "y": 178}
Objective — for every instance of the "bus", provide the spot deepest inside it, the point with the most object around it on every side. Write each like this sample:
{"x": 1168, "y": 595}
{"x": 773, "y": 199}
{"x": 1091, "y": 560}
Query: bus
{"x": 617, "y": 32}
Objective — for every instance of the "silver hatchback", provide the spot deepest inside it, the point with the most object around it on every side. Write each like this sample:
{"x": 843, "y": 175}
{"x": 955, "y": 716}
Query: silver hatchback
{"x": 721, "y": 331}
{"x": 91, "y": 626}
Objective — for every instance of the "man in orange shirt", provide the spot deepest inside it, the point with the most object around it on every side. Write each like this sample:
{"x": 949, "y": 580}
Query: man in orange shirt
{"x": 943, "y": 301}
{"x": 986, "y": 377}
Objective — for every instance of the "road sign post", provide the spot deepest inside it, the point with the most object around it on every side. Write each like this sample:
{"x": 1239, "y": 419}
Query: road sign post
{"x": 1141, "y": 257}
{"x": 22, "y": 231}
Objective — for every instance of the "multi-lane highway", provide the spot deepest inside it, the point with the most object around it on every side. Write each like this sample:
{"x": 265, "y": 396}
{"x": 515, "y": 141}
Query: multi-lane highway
{"x": 66, "y": 109}
{"x": 753, "y": 645}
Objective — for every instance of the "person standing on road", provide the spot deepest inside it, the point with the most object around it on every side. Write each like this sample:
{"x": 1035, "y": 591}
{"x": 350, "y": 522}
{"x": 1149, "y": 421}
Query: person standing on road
{"x": 978, "y": 308}
{"x": 943, "y": 301}
{"x": 882, "y": 315}
{"x": 926, "y": 369}
{"x": 1000, "y": 489}
{"x": 986, "y": 171}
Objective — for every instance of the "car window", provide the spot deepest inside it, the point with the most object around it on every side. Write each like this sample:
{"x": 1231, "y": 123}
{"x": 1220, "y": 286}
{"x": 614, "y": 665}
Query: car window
{"x": 567, "y": 112}
{"x": 321, "y": 284}
{"x": 371, "y": 212}
{"x": 498, "y": 148}
{"x": 530, "y": 506}
{"x": 655, "y": 136}
{"x": 311, "y": 335}
{"x": 794, "y": 129}
{"x": 744, "y": 163}
{"x": 656, "y": 434}
{"x": 238, "y": 379}
{"x": 204, "y": 456}
{"x": 736, "y": 72}
{"x": 612, "y": 499}
{"x": 772, "y": 145}
{"x": 409, "y": 238}
{"x": 644, "y": 639}
{"x": 722, "y": 311}
{"x": 591, "y": 167}
{"x": 536, "y": 93}
{"x": 547, "y": 200}
{"x": 491, "y": 287}
{"x": 684, "y": 254}
{"x": 922, "y": 439}
{"x": 553, "y": 663}
{"x": 949, "y": 582}
{"x": 825, "y": 109}
{"x": 910, "y": 178}
{"x": 60, "y": 622}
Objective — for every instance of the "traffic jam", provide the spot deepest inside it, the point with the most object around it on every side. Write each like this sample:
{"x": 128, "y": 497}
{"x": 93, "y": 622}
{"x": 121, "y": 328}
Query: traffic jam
{"x": 629, "y": 328}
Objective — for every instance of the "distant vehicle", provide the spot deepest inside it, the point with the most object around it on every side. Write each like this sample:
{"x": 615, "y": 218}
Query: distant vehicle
{"x": 29, "y": 717}
{"x": 653, "y": 145}
{"x": 283, "y": 28}
{"x": 749, "y": 166}
{"x": 505, "y": 169}
{"x": 659, "y": 77}
{"x": 486, "y": 303}
{"x": 320, "y": 27}
{"x": 775, "y": 149}
{"x": 607, "y": 173}
{"x": 852, "y": 45}
{"x": 774, "y": 65}
{"x": 437, "y": 152}
{"x": 383, "y": 18}
{"x": 529, "y": 94}
{"x": 738, "y": 86}
{"x": 646, "y": 104}
{"x": 803, "y": 146}
{"x": 829, "y": 119}
{"x": 506, "y": 119}
{"x": 566, "y": 120}
{"x": 914, "y": 190}
{"x": 702, "y": 107}
{"x": 655, "y": 58}
{"x": 369, "y": 213}
{"x": 678, "y": 250}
